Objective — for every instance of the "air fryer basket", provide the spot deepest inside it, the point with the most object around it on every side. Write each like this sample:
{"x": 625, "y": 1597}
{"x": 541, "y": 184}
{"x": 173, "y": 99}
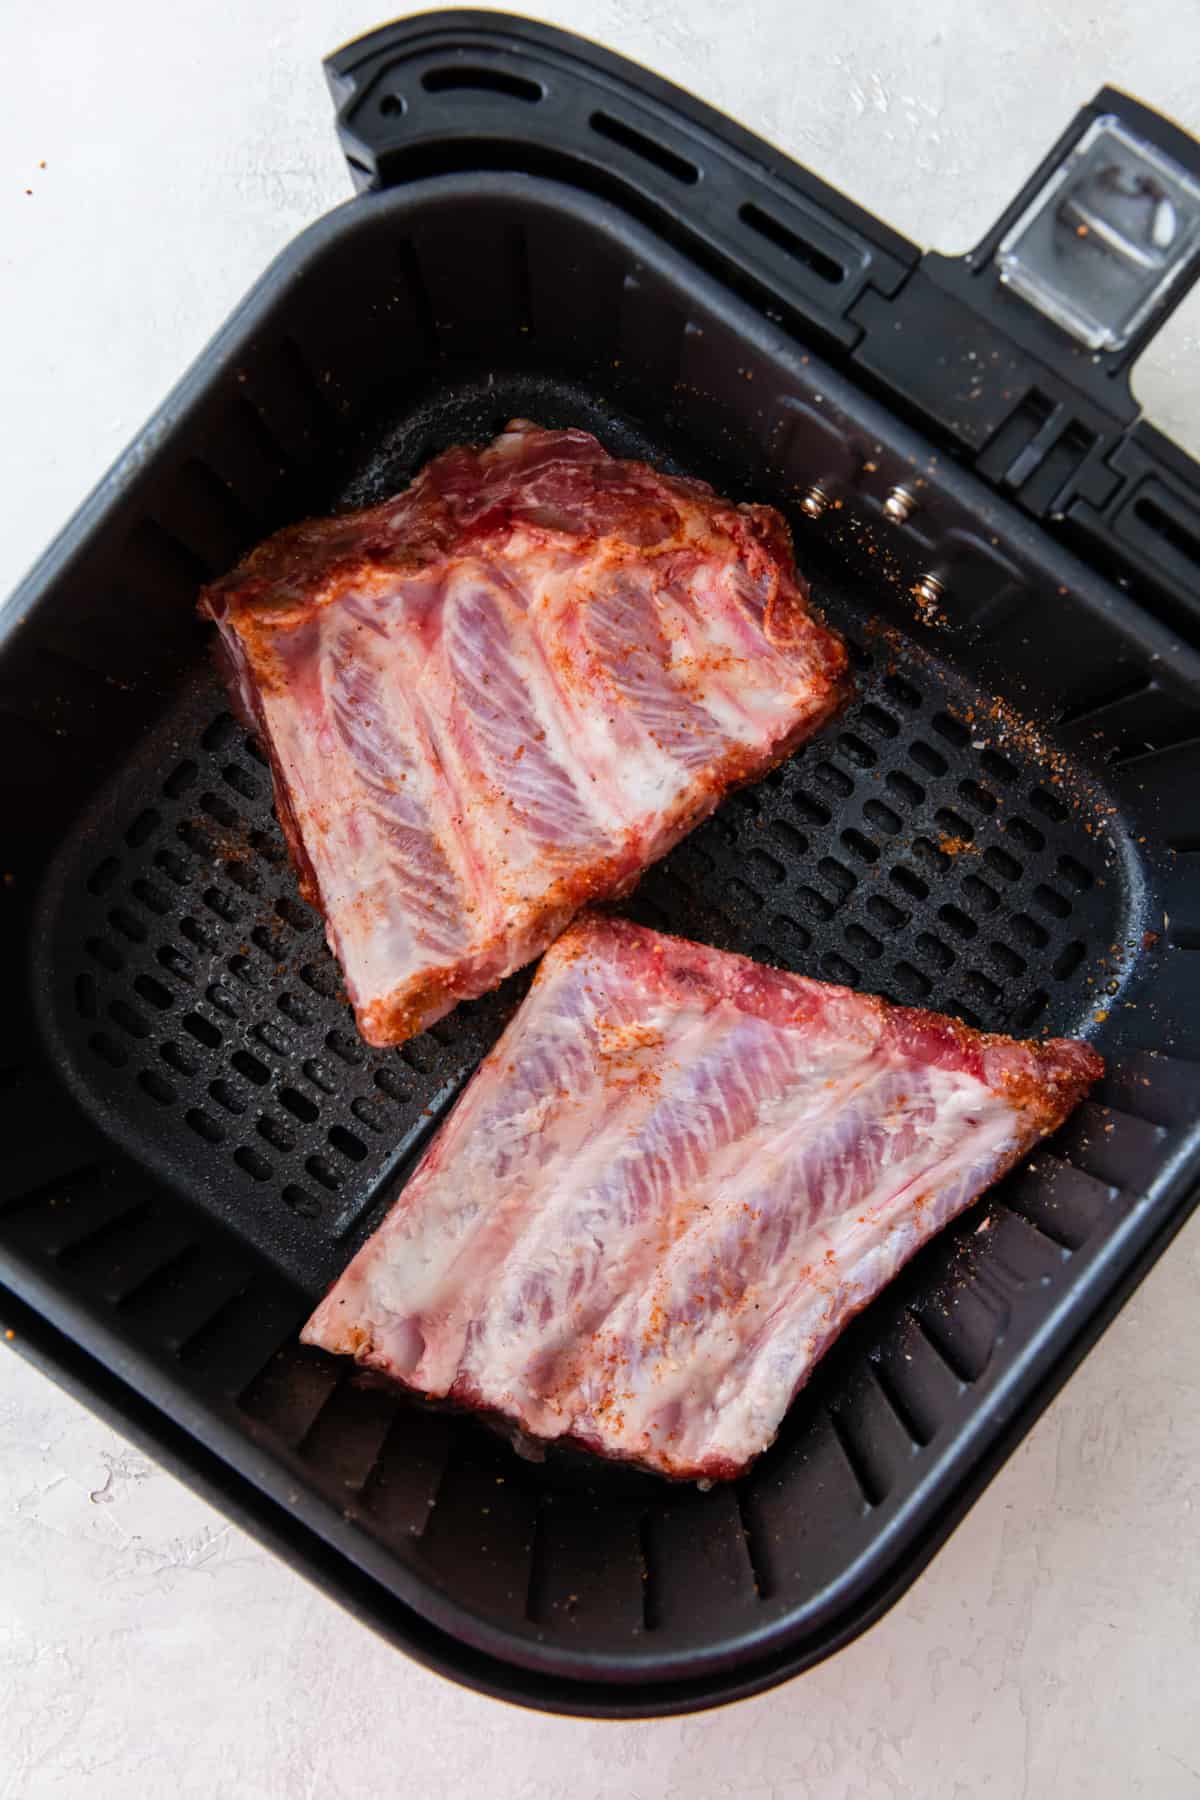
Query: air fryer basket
{"x": 1005, "y": 825}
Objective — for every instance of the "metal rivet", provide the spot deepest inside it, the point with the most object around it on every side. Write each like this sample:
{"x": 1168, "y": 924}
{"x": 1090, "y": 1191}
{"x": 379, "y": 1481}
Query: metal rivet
{"x": 900, "y": 505}
{"x": 815, "y": 501}
{"x": 930, "y": 589}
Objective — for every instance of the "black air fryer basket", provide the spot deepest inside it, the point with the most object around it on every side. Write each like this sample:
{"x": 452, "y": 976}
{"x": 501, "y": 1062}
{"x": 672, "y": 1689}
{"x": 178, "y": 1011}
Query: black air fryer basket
{"x": 1005, "y": 826}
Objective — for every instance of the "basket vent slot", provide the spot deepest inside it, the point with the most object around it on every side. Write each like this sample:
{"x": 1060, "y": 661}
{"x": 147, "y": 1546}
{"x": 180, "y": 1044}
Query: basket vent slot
{"x": 454, "y": 78}
{"x": 617, "y": 131}
{"x": 802, "y": 250}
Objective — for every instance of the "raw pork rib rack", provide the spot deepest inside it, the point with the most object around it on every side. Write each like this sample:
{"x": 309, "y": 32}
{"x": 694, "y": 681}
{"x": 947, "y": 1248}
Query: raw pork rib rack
{"x": 674, "y": 1180}
{"x": 505, "y": 692}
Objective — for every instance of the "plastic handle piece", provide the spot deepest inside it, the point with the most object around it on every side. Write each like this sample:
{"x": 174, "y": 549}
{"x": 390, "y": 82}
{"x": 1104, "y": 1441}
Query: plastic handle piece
{"x": 1037, "y": 327}
{"x": 1040, "y": 326}
{"x": 1096, "y": 250}
{"x": 488, "y": 90}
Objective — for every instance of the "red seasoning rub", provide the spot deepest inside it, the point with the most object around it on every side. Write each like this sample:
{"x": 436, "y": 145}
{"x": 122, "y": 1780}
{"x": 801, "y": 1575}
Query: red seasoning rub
{"x": 503, "y": 693}
{"x": 676, "y": 1178}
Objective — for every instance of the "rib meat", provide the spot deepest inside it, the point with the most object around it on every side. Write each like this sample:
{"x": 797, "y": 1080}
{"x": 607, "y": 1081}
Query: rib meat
{"x": 505, "y": 692}
{"x": 671, "y": 1184}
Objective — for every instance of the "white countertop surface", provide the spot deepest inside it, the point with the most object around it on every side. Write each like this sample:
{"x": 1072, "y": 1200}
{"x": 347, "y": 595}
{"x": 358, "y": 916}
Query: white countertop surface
{"x": 146, "y": 1646}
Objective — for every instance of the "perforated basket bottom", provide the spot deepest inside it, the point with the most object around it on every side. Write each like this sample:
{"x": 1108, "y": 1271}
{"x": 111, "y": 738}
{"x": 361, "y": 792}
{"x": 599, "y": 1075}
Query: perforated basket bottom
{"x": 187, "y": 996}
{"x": 199, "y": 1017}
{"x": 196, "y": 1004}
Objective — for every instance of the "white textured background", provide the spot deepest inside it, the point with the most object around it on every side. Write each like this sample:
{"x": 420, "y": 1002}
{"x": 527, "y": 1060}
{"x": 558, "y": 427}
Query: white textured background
{"x": 148, "y": 1648}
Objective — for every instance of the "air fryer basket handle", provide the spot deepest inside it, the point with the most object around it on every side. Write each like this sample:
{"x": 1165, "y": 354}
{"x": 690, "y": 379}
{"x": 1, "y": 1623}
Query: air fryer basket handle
{"x": 1041, "y": 322}
{"x": 489, "y": 90}
{"x": 1095, "y": 251}
{"x": 1082, "y": 268}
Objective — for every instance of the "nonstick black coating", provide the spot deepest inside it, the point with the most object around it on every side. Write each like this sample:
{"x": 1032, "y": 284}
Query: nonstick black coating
{"x": 223, "y": 1140}
{"x": 195, "y": 997}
